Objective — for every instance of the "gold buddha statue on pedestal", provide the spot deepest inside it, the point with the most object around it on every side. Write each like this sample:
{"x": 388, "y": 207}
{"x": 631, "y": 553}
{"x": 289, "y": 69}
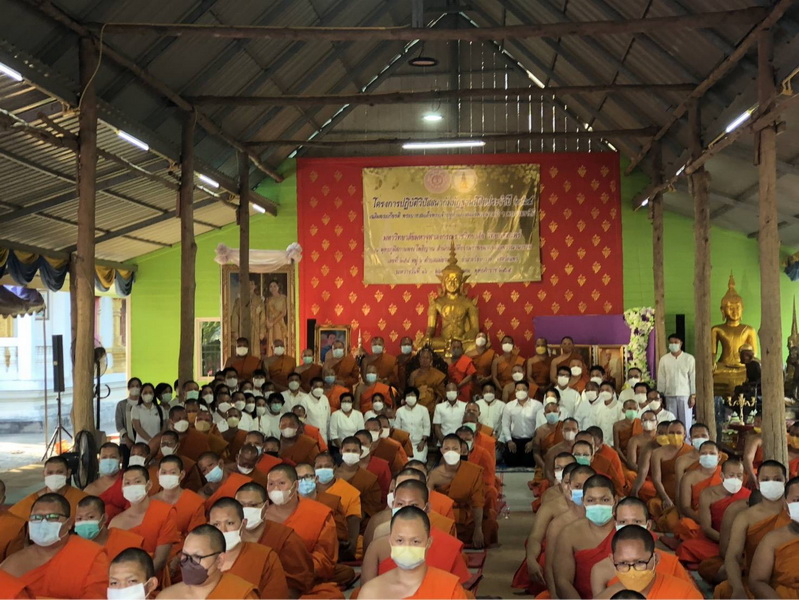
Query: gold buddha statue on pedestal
{"x": 728, "y": 370}
{"x": 456, "y": 312}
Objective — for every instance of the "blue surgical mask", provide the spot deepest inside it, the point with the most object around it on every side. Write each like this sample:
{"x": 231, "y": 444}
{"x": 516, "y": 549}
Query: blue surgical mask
{"x": 371, "y": 377}
{"x": 330, "y": 379}
{"x": 577, "y": 497}
{"x": 599, "y": 514}
{"x": 325, "y": 475}
{"x": 674, "y": 348}
{"x": 697, "y": 442}
{"x": 88, "y": 530}
{"x": 583, "y": 460}
{"x": 109, "y": 466}
{"x": 214, "y": 475}
{"x": 552, "y": 418}
{"x": 307, "y": 487}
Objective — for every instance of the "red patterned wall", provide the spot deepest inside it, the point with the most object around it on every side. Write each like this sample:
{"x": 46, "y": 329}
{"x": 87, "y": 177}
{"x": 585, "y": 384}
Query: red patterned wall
{"x": 581, "y": 249}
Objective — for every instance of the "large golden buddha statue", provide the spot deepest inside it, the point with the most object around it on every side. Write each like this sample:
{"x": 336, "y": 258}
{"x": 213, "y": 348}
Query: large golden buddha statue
{"x": 457, "y": 313}
{"x": 728, "y": 370}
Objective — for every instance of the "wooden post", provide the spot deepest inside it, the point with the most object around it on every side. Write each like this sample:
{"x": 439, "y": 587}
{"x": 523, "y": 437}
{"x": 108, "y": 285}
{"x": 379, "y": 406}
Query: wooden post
{"x": 188, "y": 250}
{"x": 700, "y": 180}
{"x": 656, "y": 203}
{"x": 83, "y": 367}
{"x": 768, "y": 241}
{"x": 244, "y": 252}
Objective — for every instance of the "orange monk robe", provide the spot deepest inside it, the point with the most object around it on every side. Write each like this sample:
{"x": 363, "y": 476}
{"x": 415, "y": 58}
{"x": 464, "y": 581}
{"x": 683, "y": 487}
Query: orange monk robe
{"x": 190, "y": 512}
{"x": 192, "y": 481}
{"x": 313, "y": 432}
{"x": 392, "y": 452}
{"x": 227, "y": 488}
{"x": 439, "y": 584}
{"x": 460, "y": 370}
{"x": 540, "y": 372}
{"x": 383, "y": 471}
{"x": 579, "y": 385}
{"x": 260, "y": 566}
{"x": 312, "y": 372}
{"x": 216, "y": 442}
{"x": 366, "y": 483}
{"x": 482, "y": 364}
{"x": 793, "y": 467}
{"x": 505, "y": 370}
{"x": 12, "y": 587}
{"x": 314, "y": 523}
{"x": 22, "y": 509}
{"x": 584, "y": 561}
{"x": 113, "y": 499}
{"x": 279, "y": 368}
{"x": 404, "y": 438}
{"x": 468, "y": 492}
{"x": 386, "y": 365}
{"x": 266, "y": 462}
{"x": 349, "y": 496}
{"x": 120, "y": 540}
{"x": 347, "y": 371}
{"x": 388, "y": 393}
{"x": 686, "y": 528}
{"x": 442, "y": 523}
{"x": 445, "y": 553}
{"x": 625, "y": 435}
{"x": 78, "y": 570}
{"x": 667, "y": 587}
{"x": 701, "y": 548}
{"x": 442, "y": 504}
{"x": 334, "y": 396}
{"x": 434, "y": 380}
{"x": 784, "y": 574}
{"x": 554, "y": 438}
{"x": 232, "y": 587}
{"x": 488, "y": 443}
{"x": 158, "y": 526}
{"x": 668, "y": 477}
{"x": 194, "y": 444}
{"x": 294, "y": 556}
{"x": 481, "y": 458}
{"x": 12, "y": 534}
{"x": 607, "y": 462}
{"x": 333, "y": 502}
{"x": 304, "y": 450}
{"x": 235, "y": 443}
{"x": 245, "y": 365}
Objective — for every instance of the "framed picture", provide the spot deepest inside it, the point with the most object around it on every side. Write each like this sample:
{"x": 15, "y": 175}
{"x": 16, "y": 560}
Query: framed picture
{"x": 584, "y": 350}
{"x": 326, "y": 335}
{"x": 207, "y": 348}
{"x": 272, "y": 310}
{"x": 611, "y": 358}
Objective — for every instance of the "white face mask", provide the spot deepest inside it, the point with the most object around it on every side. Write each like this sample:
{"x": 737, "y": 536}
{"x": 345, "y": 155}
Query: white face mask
{"x": 452, "y": 395}
{"x": 480, "y": 342}
{"x": 136, "y": 461}
{"x": 317, "y": 392}
{"x": 55, "y": 482}
{"x": 563, "y": 381}
{"x": 223, "y": 407}
{"x": 375, "y": 435}
{"x": 249, "y": 407}
{"x": 521, "y": 395}
{"x": 517, "y": 376}
{"x": 406, "y": 349}
{"x": 181, "y": 426}
{"x": 451, "y": 457}
{"x": 364, "y": 452}
{"x": 590, "y": 395}
{"x": 232, "y": 539}
{"x": 674, "y": 348}
{"x": 569, "y": 435}
{"x": 133, "y": 592}
{"x": 377, "y": 406}
{"x": 384, "y": 434}
{"x": 605, "y": 396}
{"x": 377, "y": 349}
{"x": 167, "y": 450}
{"x": 245, "y": 470}
{"x": 350, "y": 458}
{"x": 242, "y": 350}
{"x": 208, "y": 398}
{"x": 649, "y": 425}
{"x": 134, "y": 493}
{"x": 732, "y": 484}
{"x": 231, "y": 382}
{"x": 147, "y": 398}
{"x": 260, "y": 411}
{"x": 280, "y": 350}
{"x": 655, "y": 405}
{"x": 489, "y": 397}
{"x": 559, "y": 476}
{"x": 338, "y": 352}
{"x": 640, "y": 399}
{"x": 633, "y": 381}
{"x": 258, "y": 382}
{"x": 507, "y": 348}
{"x": 169, "y": 482}
{"x": 346, "y": 406}
{"x": 134, "y": 392}
{"x": 288, "y": 432}
{"x": 793, "y": 511}
{"x": 576, "y": 371}
{"x": 280, "y": 497}
{"x": 239, "y": 404}
{"x": 597, "y": 380}
{"x": 294, "y": 385}
{"x": 253, "y": 516}
{"x": 410, "y": 401}
{"x": 772, "y": 490}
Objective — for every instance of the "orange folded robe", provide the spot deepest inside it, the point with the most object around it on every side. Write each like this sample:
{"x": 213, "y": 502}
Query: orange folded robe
{"x": 388, "y": 393}
{"x": 505, "y": 371}
{"x": 439, "y": 584}
{"x": 280, "y": 367}
{"x": 267, "y": 462}
{"x": 381, "y": 468}
{"x": 113, "y": 499}
{"x": 442, "y": 523}
{"x": 334, "y": 396}
{"x": 194, "y": 444}
{"x": 702, "y": 549}
{"x": 79, "y": 570}
{"x": 294, "y": 556}
{"x": 393, "y": 453}
{"x": 442, "y": 504}
{"x": 668, "y": 477}
{"x": 244, "y": 365}
{"x": 22, "y": 509}
{"x": 190, "y": 512}
{"x": 460, "y": 370}
{"x": 260, "y": 566}
{"x": 314, "y": 523}
{"x": 11, "y": 587}
{"x": 666, "y": 587}
{"x": 480, "y": 457}
{"x": 366, "y": 484}
{"x": 584, "y": 561}
{"x": 334, "y": 503}
{"x": 231, "y": 587}
{"x": 434, "y": 380}
{"x": 482, "y": 364}
{"x": 13, "y": 534}
{"x": 686, "y": 528}
{"x": 349, "y": 498}
{"x": 313, "y": 432}
{"x": 304, "y": 450}
{"x": 158, "y": 526}
{"x": 120, "y": 540}
{"x": 445, "y": 553}
{"x": 607, "y": 462}
{"x": 312, "y": 372}
{"x": 468, "y": 492}
{"x": 404, "y": 438}
{"x": 386, "y": 365}
{"x": 227, "y": 489}
{"x": 347, "y": 371}
{"x": 785, "y": 574}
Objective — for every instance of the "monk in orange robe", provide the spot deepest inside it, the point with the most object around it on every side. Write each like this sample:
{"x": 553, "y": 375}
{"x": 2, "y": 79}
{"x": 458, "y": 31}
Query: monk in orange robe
{"x": 502, "y": 367}
{"x": 705, "y": 473}
{"x": 343, "y": 365}
{"x": 12, "y": 587}
{"x": 189, "y": 506}
{"x": 366, "y": 392}
{"x": 385, "y": 448}
{"x": 480, "y": 457}
{"x": 267, "y": 461}
{"x": 364, "y": 481}
{"x": 295, "y": 447}
{"x": 247, "y": 364}
{"x": 205, "y": 425}
{"x": 440, "y": 503}
{"x": 333, "y": 390}
{"x": 92, "y": 509}
{"x": 56, "y": 474}
{"x": 308, "y": 371}
{"x": 221, "y": 482}
{"x": 429, "y": 380}
{"x": 70, "y": 567}
{"x": 398, "y": 435}
{"x": 629, "y": 427}
{"x": 663, "y": 469}
{"x": 483, "y": 357}
{"x": 251, "y": 561}
{"x": 108, "y": 485}
{"x": 310, "y": 430}
{"x": 461, "y": 371}
{"x": 279, "y": 366}
{"x": 605, "y": 460}
{"x": 193, "y": 443}
{"x": 547, "y": 436}
{"x": 420, "y": 581}
{"x": 289, "y": 546}
{"x": 169, "y": 445}
{"x": 537, "y": 369}
{"x": 384, "y": 363}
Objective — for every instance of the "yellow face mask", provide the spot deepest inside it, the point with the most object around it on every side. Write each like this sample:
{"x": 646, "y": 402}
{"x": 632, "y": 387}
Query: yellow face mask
{"x": 663, "y": 440}
{"x": 793, "y": 441}
{"x": 758, "y": 429}
{"x": 676, "y": 439}
{"x": 636, "y": 580}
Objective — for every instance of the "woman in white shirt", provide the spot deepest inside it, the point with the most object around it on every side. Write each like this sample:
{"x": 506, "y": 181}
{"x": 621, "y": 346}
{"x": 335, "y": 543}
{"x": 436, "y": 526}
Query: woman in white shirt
{"x": 345, "y": 422}
{"x": 147, "y": 416}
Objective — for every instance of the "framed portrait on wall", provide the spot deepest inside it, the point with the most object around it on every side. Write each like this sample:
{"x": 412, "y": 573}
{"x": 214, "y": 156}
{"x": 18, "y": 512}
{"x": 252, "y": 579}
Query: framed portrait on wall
{"x": 272, "y": 310}
{"x": 611, "y": 358}
{"x": 326, "y": 335}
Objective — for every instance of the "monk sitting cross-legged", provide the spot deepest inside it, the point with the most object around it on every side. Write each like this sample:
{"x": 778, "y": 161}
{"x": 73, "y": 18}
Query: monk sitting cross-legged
{"x": 569, "y": 431}
{"x": 606, "y": 460}
{"x": 446, "y": 551}
{"x": 255, "y": 563}
{"x": 57, "y": 564}
{"x": 633, "y": 511}
{"x": 410, "y": 542}
{"x": 189, "y": 506}
{"x": 481, "y": 458}
{"x": 664, "y": 476}
{"x": 461, "y": 371}
{"x": 773, "y": 573}
{"x": 626, "y": 429}
{"x": 201, "y": 562}
{"x": 751, "y": 526}
{"x": 643, "y": 487}
{"x": 12, "y": 528}
{"x": 373, "y": 389}
{"x": 91, "y": 523}
{"x": 108, "y": 486}
{"x": 221, "y": 482}
{"x": 132, "y": 568}
{"x": 56, "y": 481}
{"x": 345, "y": 500}
{"x": 295, "y": 447}
{"x": 350, "y": 471}
{"x": 550, "y": 434}
{"x": 635, "y": 561}
{"x": 289, "y": 547}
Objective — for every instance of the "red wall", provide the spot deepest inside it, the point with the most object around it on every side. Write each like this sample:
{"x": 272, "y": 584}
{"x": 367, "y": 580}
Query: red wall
{"x": 581, "y": 250}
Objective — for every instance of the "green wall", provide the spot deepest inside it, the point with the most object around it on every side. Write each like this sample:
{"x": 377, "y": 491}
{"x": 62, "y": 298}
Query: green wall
{"x": 155, "y": 301}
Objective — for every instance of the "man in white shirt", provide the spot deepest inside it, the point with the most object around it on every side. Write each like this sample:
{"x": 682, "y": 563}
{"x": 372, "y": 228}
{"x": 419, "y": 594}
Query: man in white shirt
{"x": 633, "y": 379}
{"x": 653, "y": 400}
{"x": 294, "y": 395}
{"x": 345, "y": 422}
{"x": 448, "y": 415}
{"x": 604, "y": 412}
{"x": 677, "y": 381}
{"x": 518, "y": 427}
{"x": 491, "y": 409}
{"x": 317, "y": 406}
{"x": 415, "y": 420}
{"x": 569, "y": 397}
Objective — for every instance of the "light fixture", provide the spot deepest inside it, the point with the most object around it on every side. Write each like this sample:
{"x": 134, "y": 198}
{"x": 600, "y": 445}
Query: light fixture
{"x": 443, "y": 144}
{"x": 680, "y": 171}
{"x": 645, "y": 202}
{"x": 208, "y": 180}
{"x": 132, "y": 140}
{"x": 258, "y": 207}
{"x": 742, "y": 118}
{"x": 432, "y": 117}
{"x": 9, "y": 72}
{"x": 423, "y": 61}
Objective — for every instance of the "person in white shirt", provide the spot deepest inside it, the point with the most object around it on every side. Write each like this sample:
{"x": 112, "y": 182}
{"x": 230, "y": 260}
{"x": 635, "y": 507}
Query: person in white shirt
{"x": 569, "y": 397}
{"x": 653, "y": 400}
{"x": 345, "y": 422}
{"x": 222, "y": 404}
{"x": 260, "y": 419}
{"x": 148, "y": 418}
{"x": 379, "y": 409}
{"x": 294, "y": 395}
{"x": 603, "y": 412}
{"x": 240, "y": 401}
{"x": 491, "y": 409}
{"x": 633, "y": 379}
{"x": 596, "y": 374}
{"x": 270, "y": 421}
{"x": 317, "y": 406}
{"x": 518, "y": 427}
{"x": 448, "y": 415}
{"x": 551, "y": 396}
{"x": 677, "y": 381}
{"x": 415, "y": 420}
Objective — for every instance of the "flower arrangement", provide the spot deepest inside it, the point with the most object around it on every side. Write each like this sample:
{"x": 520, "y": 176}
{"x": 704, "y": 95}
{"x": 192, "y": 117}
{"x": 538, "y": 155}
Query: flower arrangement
{"x": 641, "y": 321}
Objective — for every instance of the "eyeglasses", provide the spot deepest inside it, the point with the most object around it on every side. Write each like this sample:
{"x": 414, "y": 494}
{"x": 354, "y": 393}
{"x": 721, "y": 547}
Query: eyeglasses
{"x": 50, "y": 517}
{"x": 186, "y": 558}
{"x": 638, "y": 565}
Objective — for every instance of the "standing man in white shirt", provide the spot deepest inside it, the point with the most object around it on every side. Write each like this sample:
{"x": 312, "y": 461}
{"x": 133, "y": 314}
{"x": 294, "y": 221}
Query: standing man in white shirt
{"x": 448, "y": 415}
{"x": 491, "y": 410}
{"x": 415, "y": 420}
{"x": 294, "y": 395}
{"x": 518, "y": 427}
{"x": 677, "y": 380}
{"x": 317, "y": 406}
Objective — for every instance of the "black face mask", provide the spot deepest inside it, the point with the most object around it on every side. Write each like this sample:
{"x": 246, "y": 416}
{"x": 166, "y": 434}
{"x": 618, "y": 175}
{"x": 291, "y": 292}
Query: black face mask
{"x": 273, "y": 453}
{"x": 464, "y": 457}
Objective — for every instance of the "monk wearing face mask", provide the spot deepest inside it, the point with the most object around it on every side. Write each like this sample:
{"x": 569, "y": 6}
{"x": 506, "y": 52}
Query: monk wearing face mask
{"x": 538, "y": 365}
{"x": 56, "y": 481}
{"x": 131, "y": 575}
{"x": 279, "y": 365}
{"x": 91, "y": 523}
{"x": 189, "y": 506}
{"x": 385, "y": 364}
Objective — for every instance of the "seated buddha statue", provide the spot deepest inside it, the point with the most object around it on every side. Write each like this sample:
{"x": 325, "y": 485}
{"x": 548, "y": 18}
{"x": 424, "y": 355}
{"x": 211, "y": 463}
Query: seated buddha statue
{"x": 728, "y": 370}
{"x": 457, "y": 314}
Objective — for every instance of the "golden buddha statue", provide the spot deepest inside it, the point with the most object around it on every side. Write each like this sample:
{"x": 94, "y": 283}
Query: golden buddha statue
{"x": 728, "y": 370}
{"x": 792, "y": 364}
{"x": 457, "y": 313}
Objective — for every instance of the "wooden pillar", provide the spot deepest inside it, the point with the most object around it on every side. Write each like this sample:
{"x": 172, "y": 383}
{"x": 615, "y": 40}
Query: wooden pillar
{"x": 83, "y": 367}
{"x": 244, "y": 252}
{"x": 705, "y": 355}
{"x": 768, "y": 239}
{"x": 188, "y": 250}
{"x": 656, "y": 203}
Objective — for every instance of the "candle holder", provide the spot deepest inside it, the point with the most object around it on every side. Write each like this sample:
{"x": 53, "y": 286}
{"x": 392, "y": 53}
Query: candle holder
{"x": 740, "y": 403}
